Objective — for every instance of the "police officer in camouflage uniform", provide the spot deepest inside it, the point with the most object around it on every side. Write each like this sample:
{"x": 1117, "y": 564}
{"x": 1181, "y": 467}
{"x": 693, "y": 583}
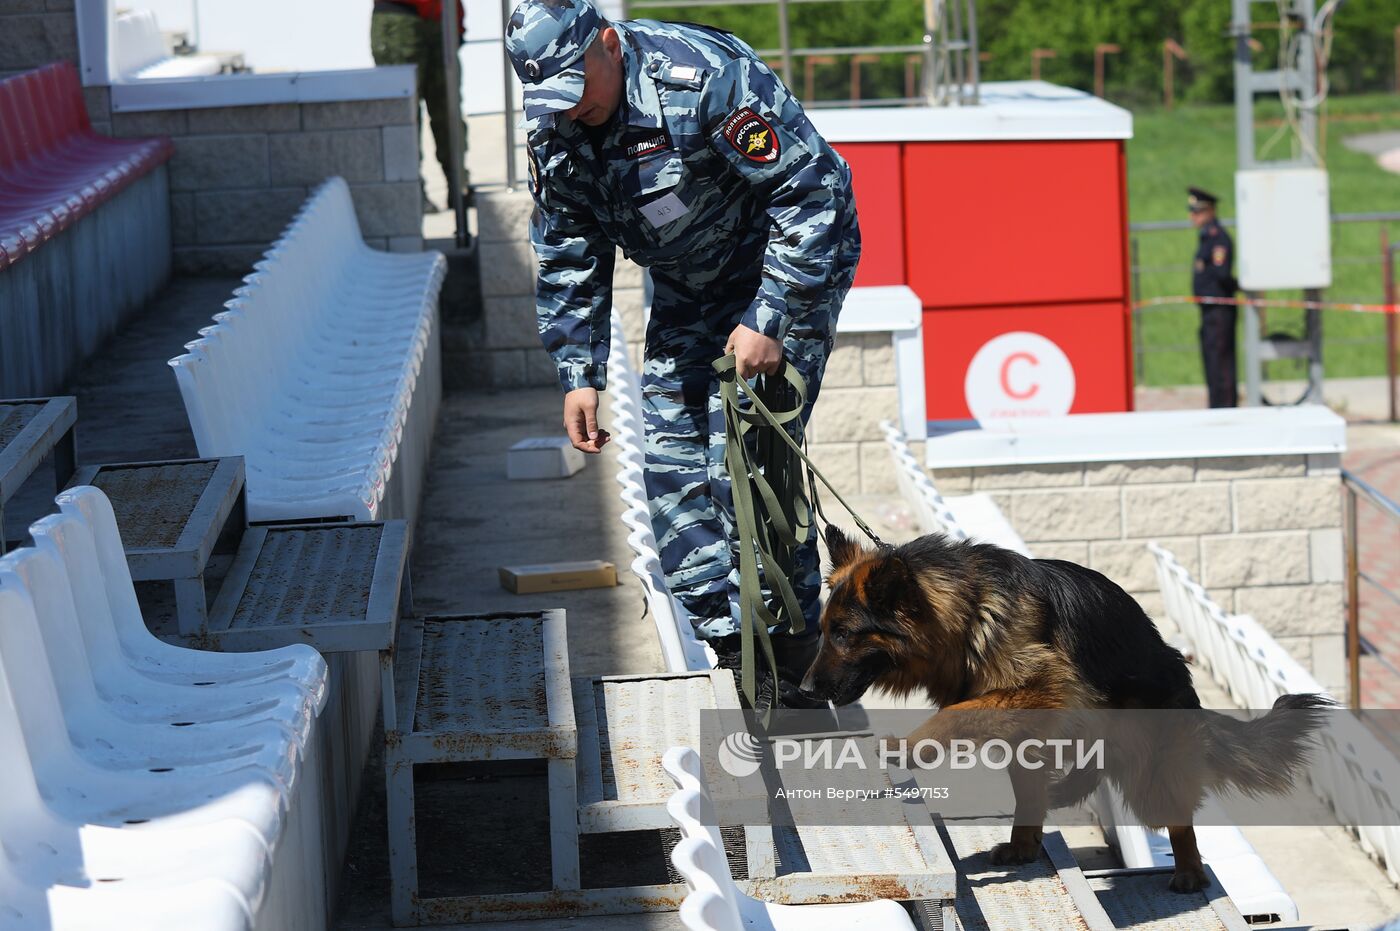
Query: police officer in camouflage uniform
{"x": 1212, "y": 276}
{"x": 678, "y": 144}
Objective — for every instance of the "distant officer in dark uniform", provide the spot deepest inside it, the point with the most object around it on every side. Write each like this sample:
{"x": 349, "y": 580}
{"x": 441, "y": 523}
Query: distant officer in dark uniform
{"x": 1212, "y": 276}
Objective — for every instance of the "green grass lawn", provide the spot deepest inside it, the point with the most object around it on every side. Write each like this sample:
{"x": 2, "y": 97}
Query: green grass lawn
{"x": 1171, "y": 150}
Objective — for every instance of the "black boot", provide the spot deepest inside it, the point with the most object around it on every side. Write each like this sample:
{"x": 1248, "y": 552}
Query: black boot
{"x": 794, "y": 655}
{"x": 728, "y": 656}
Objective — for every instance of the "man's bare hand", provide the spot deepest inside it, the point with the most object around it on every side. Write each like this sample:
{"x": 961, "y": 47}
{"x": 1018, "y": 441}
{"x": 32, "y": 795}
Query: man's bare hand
{"x": 754, "y": 353}
{"x": 581, "y": 420}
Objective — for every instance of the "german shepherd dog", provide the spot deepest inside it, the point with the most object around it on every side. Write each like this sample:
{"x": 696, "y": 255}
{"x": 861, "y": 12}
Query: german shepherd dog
{"x": 979, "y": 627}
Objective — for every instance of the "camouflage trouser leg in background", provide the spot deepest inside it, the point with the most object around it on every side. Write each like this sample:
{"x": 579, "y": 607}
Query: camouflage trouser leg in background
{"x": 692, "y": 512}
{"x": 404, "y": 39}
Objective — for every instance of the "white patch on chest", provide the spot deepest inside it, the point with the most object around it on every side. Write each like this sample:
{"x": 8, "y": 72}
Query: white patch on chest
{"x": 664, "y": 209}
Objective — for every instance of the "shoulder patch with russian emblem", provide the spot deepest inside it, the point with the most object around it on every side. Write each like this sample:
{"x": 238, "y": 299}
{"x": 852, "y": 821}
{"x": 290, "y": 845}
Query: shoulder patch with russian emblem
{"x": 1217, "y": 255}
{"x": 752, "y": 136}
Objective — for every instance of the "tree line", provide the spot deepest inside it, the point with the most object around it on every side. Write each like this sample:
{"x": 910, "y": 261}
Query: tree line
{"x": 1009, "y": 31}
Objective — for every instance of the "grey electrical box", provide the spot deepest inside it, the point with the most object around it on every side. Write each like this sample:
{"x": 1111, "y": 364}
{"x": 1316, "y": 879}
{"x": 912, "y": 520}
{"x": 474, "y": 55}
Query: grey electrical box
{"x": 1284, "y": 236}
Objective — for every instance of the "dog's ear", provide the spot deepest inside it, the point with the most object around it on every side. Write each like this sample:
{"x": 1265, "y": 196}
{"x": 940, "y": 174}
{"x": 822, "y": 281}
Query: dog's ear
{"x": 843, "y": 550}
{"x": 890, "y": 585}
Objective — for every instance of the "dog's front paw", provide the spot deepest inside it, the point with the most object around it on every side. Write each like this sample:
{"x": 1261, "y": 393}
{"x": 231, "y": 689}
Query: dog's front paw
{"x": 1014, "y": 852}
{"x": 1189, "y": 879}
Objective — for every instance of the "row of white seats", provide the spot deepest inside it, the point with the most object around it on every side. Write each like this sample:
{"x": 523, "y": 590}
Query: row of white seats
{"x": 324, "y": 372}
{"x": 139, "y": 51}
{"x": 1356, "y": 773}
{"x": 1243, "y": 873}
{"x": 144, "y": 785}
{"x": 715, "y": 902}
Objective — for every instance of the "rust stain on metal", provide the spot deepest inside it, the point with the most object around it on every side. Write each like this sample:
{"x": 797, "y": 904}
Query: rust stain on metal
{"x": 853, "y": 889}
{"x": 467, "y": 909}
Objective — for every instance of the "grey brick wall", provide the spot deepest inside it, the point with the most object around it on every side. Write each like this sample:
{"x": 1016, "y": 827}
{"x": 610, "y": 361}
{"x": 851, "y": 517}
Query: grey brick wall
{"x": 503, "y": 349}
{"x": 1261, "y": 534}
{"x": 36, "y": 32}
{"x": 240, "y": 173}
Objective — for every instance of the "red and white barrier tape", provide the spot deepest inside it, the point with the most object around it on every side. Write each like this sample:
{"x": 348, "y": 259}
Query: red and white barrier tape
{"x": 1302, "y": 305}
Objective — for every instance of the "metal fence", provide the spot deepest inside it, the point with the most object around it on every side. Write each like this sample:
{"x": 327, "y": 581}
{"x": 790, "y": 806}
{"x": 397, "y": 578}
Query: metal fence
{"x": 947, "y": 52}
{"x": 1378, "y": 528}
{"x": 1363, "y": 260}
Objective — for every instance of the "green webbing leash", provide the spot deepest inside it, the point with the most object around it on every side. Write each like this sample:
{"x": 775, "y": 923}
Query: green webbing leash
{"x": 768, "y": 538}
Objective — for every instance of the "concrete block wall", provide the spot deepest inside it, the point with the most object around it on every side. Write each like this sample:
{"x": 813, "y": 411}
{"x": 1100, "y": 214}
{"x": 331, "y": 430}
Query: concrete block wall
{"x": 36, "y": 32}
{"x": 1262, "y": 534}
{"x": 503, "y": 349}
{"x": 239, "y": 174}
{"x": 857, "y": 392}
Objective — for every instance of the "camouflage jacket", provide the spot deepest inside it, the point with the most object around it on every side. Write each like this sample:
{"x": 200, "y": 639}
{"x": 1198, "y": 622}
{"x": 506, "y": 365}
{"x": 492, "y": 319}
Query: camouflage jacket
{"x": 708, "y": 153}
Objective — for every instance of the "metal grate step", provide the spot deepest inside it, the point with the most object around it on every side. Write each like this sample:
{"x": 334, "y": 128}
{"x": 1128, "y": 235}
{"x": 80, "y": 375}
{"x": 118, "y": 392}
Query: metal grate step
{"x": 1048, "y": 894}
{"x": 483, "y": 687}
{"x": 625, "y": 724}
{"x": 1139, "y": 899}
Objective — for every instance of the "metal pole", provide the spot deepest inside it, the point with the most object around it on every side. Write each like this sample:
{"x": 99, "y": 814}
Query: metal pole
{"x": 1307, "y": 70}
{"x": 1167, "y": 63}
{"x": 454, "y": 119}
{"x": 974, "y": 56}
{"x": 508, "y": 104}
{"x": 1244, "y": 87}
{"x": 1388, "y": 255}
{"x": 785, "y": 41}
{"x": 1313, "y": 337}
{"x": 1353, "y": 600}
{"x": 930, "y": 65}
{"x": 1253, "y": 391}
{"x": 1101, "y": 52}
{"x": 1171, "y": 52}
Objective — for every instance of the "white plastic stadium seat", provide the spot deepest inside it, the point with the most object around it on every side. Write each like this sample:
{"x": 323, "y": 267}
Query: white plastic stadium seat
{"x": 324, "y": 371}
{"x": 140, "y": 51}
{"x": 288, "y": 684}
{"x": 715, "y": 902}
{"x": 134, "y": 794}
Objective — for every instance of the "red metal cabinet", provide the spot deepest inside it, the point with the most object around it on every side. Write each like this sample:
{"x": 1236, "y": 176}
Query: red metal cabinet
{"x": 875, "y": 174}
{"x": 1091, "y": 335}
{"x": 1008, "y": 236}
{"x": 995, "y": 223}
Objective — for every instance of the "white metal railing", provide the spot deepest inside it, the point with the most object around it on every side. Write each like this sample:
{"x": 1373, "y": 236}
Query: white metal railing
{"x": 1354, "y": 490}
{"x": 931, "y": 512}
{"x": 1355, "y": 772}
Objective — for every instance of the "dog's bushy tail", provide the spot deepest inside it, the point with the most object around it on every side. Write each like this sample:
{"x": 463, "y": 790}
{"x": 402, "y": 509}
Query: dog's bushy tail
{"x": 1264, "y": 756}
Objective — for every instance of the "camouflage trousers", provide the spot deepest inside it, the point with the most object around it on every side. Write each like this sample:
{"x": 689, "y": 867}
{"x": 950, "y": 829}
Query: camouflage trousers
{"x": 405, "y": 39}
{"x": 692, "y": 511}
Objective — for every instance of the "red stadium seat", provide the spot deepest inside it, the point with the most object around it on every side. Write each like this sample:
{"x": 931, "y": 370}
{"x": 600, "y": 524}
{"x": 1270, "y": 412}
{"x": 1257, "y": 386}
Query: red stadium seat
{"x": 53, "y": 168}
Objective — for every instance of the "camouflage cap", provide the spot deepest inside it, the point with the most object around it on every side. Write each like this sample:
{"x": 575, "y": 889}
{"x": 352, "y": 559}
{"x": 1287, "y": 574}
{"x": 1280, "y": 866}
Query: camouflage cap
{"x": 546, "y": 40}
